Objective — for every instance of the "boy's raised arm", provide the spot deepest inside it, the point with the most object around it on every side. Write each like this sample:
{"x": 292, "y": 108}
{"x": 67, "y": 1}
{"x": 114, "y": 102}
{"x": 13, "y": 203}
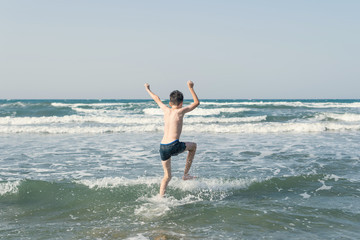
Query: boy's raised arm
{"x": 196, "y": 102}
{"x": 155, "y": 97}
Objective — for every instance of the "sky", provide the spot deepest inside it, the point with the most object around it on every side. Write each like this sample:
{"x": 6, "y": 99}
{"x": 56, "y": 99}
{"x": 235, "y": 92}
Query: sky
{"x": 230, "y": 49}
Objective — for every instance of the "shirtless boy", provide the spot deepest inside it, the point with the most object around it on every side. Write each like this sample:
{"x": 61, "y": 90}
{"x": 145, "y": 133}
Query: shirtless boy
{"x": 173, "y": 122}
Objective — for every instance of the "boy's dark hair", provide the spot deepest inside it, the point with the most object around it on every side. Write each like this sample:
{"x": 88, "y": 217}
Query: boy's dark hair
{"x": 176, "y": 97}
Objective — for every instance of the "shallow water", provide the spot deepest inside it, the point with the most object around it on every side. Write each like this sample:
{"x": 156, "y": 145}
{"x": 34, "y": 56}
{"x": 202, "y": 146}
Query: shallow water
{"x": 63, "y": 178}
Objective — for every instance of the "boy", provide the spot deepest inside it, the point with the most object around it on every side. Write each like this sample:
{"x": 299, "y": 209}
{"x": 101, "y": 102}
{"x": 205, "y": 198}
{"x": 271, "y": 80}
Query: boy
{"x": 173, "y": 122}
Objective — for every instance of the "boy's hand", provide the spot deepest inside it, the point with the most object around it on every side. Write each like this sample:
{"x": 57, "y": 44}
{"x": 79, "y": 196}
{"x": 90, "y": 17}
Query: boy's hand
{"x": 190, "y": 84}
{"x": 147, "y": 86}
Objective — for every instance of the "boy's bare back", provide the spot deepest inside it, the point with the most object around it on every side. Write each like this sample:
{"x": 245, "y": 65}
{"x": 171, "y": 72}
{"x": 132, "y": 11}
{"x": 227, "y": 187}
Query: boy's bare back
{"x": 173, "y": 122}
{"x": 173, "y": 117}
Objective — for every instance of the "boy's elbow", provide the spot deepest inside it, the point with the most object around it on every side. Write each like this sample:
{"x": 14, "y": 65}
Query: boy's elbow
{"x": 197, "y": 103}
{"x": 156, "y": 98}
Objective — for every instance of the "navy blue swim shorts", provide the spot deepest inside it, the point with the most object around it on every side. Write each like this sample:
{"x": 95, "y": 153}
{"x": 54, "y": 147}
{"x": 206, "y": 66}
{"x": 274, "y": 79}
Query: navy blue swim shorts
{"x": 171, "y": 149}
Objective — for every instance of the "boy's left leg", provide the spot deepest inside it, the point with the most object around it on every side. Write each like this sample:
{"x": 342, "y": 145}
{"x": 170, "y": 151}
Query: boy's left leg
{"x": 191, "y": 147}
{"x": 167, "y": 176}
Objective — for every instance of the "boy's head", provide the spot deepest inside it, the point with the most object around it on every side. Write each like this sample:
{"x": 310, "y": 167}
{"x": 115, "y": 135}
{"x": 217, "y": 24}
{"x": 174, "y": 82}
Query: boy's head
{"x": 176, "y": 98}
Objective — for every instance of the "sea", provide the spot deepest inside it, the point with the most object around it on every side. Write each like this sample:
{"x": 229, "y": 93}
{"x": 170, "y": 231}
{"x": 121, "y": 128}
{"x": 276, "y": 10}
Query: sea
{"x": 266, "y": 169}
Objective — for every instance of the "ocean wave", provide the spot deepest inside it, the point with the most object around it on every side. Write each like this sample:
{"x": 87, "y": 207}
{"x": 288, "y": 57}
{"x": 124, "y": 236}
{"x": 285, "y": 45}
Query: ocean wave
{"x": 346, "y": 117}
{"x": 287, "y": 104}
{"x": 265, "y": 127}
{"x": 331, "y": 105}
{"x": 94, "y": 109}
{"x": 99, "y": 112}
{"x": 272, "y": 128}
{"x": 78, "y": 129}
{"x": 57, "y": 104}
{"x": 149, "y": 205}
{"x": 13, "y": 104}
{"x": 190, "y": 192}
{"x": 216, "y": 184}
{"x": 199, "y": 184}
{"x": 113, "y": 182}
{"x": 59, "y": 121}
{"x": 117, "y": 120}
{"x": 208, "y": 120}
{"x": 255, "y": 103}
{"x": 199, "y": 111}
{"x": 307, "y": 104}
{"x": 315, "y": 184}
{"x": 200, "y": 188}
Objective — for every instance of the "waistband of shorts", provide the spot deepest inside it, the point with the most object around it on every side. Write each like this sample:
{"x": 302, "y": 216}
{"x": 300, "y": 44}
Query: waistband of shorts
{"x": 170, "y": 143}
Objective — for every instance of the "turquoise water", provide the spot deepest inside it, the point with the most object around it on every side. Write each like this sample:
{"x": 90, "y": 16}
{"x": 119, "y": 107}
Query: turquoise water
{"x": 89, "y": 169}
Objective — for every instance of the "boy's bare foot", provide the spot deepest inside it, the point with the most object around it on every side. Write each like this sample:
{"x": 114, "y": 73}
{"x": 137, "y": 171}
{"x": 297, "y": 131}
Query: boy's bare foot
{"x": 188, "y": 177}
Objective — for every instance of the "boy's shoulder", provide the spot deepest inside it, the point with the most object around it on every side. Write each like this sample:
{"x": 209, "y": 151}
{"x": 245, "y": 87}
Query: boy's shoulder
{"x": 176, "y": 111}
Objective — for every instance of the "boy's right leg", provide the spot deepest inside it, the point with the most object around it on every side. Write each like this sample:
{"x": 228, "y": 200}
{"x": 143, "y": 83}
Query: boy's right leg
{"x": 191, "y": 147}
{"x": 167, "y": 176}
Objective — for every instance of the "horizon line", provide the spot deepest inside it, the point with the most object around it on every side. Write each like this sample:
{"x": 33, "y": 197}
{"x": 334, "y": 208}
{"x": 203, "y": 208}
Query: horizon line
{"x": 203, "y": 99}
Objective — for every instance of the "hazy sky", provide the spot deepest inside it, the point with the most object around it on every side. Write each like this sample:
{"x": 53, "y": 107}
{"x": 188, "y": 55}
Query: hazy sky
{"x": 230, "y": 49}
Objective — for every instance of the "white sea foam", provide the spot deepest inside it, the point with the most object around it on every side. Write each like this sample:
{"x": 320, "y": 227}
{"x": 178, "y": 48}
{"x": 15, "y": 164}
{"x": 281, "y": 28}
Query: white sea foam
{"x": 63, "y": 104}
{"x": 112, "y": 182}
{"x": 305, "y": 195}
{"x": 323, "y": 187}
{"x": 198, "y": 190}
{"x": 137, "y": 237}
{"x": 332, "y": 176}
{"x": 9, "y": 187}
{"x": 157, "y": 206}
{"x": 213, "y": 184}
